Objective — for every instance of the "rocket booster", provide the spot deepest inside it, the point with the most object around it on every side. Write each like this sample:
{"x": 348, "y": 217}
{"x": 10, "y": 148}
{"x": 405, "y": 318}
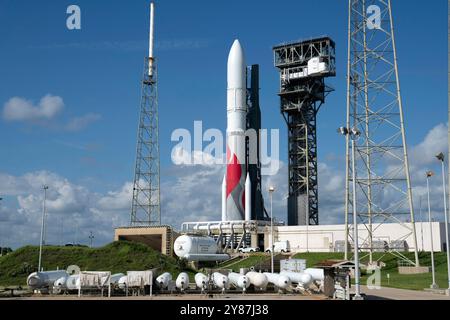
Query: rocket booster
{"x": 236, "y": 172}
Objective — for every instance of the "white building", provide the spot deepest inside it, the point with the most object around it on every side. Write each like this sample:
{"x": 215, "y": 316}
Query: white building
{"x": 330, "y": 238}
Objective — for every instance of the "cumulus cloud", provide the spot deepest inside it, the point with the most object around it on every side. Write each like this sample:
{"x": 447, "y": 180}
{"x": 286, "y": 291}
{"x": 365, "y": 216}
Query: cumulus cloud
{"x": 73, "y": 210}
{"x": 20, "y": 109}
{"x": 79, "y": 123}
{"x": 46, "y": 112}
{"x": 189, "y": 193}
{"x": 436, "y": 141}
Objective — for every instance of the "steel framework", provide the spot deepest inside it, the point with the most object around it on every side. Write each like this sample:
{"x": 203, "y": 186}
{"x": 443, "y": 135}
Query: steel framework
{"x": 146, "y": 208}
{"x": 374, "y": 107}
{"x": 302, "y": 93}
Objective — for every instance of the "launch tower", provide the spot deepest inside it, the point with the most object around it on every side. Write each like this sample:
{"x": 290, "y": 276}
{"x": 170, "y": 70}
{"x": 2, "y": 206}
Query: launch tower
{"x": 303, "y": 68}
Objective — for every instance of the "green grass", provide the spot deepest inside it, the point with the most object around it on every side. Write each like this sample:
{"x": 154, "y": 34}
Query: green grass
{"x": 252, "y": 260}
{"x": 124, "y": 256}
{"x": 116, "y": 257}
{"x": 412, "y": 282}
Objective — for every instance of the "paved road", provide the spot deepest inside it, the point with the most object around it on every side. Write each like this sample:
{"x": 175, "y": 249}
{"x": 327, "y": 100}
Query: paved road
{"x": 233, "y": 297}
{"x": 382, "y": 294}
{"x": 400, "y": 294}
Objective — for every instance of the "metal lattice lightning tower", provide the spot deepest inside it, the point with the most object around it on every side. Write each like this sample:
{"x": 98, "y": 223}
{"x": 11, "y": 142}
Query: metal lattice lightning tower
{"x": 374, "y": 107}
{"x": 146, "y": 206}
{"x": 303, "y": 68}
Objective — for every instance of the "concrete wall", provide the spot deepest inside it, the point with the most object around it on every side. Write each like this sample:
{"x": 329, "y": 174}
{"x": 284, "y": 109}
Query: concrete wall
{"x": 323, "y": 238}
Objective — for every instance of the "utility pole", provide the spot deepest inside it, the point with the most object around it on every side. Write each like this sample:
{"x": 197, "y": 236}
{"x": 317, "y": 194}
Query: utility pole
{"x": 42, "y": 228}
{"x": 91, "y": 238}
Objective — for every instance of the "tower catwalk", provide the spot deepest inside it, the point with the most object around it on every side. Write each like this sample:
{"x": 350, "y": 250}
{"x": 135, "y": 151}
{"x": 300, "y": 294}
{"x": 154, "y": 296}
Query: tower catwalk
{"x": 303, "y": 68}
{"x": 146, "y": 208}
{"x": 374, "y": 107}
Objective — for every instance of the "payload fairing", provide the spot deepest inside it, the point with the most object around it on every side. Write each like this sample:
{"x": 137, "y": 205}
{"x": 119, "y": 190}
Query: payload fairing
{"x": 241, "y": 188}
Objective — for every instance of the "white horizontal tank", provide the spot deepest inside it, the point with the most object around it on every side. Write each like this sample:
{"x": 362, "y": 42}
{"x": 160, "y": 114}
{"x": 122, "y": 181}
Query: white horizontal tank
{"x": 221, "y": 281}
{"x": 258, "y": 280}
{"x": 182, "y": 281}
{"x": 163, "y": 280}
{"x": 185, "y": 245}
{"x": 38, "y": 280}
{"x": 239, "y": 281}
{"x": 201, "y": 281}
{"x": 198, "y": 248}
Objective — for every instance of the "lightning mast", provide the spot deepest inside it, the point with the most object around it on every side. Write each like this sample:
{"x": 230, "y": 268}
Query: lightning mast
{"x": 146, "y": 206}
{"x": 374, "y": 107}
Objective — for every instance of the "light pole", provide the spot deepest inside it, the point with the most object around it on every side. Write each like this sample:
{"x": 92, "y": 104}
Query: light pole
{"x": 354, "y": 134}
{"x": 441, "y": 158}
{"x": 1, "y": 248}
{"x": 271, "y": 191}
{"x": 42, "y": 228}
{"x": 433, "y": 271}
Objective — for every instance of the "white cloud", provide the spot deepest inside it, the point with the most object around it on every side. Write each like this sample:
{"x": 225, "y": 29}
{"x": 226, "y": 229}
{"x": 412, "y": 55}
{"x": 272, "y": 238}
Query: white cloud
{"x": 79, "y": 123}
{"x": 71, "y": 207}
{"x": 20, "y": 109}
{"x": 189, "y": 193}
{"x": 436, "y": 141}
{"x": 48, "y": 109}
{"x": 117, "y": 200}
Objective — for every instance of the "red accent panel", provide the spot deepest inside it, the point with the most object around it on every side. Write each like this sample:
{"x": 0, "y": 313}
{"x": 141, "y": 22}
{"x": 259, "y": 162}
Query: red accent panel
{"x": 234, "y": 173}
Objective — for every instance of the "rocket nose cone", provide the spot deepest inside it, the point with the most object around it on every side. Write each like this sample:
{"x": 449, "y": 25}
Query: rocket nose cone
{"x": 236, "y": 66}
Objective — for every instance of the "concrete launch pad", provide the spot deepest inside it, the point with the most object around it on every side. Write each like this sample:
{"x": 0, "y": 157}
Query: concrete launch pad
{"x": 160, "y": 238}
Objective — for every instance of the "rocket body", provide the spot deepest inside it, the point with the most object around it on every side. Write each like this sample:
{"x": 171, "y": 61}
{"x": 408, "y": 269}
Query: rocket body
{"x": 237, "y": 109}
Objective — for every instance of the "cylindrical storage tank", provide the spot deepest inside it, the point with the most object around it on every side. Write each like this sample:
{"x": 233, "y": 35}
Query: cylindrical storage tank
{"x": 278, "y": 280}
{"x": 221, "y": 281}
{"x": 163, "y": 280}
{"x": 73, "y": 282}
{"x": 116, "y": 277}
{"x": 45, "y": 279}
{"x": 201, "y": 281}
{"x": 258, "y": 280}
{"x": 316, "y": 274}
{"x": 59, "y": 285}
{"x": 193, "y": 245}
{"x": 304, "y": 279}
{"x": 182, "y": 281}
{"x": 122, "y": 283}
{"x": 239, "y": 281}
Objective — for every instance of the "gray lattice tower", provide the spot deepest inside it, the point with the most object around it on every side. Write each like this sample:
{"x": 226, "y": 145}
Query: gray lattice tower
{"x": 146, "y": 205}
{"x": 374, "y": 107}
{"x": 303, "y": 68}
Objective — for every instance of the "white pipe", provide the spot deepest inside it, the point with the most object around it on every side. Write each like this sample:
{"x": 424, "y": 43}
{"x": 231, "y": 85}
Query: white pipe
{"x": 224, "y": 198}
{"x": 248, "y": 199}
{"x": 151, "y": 42}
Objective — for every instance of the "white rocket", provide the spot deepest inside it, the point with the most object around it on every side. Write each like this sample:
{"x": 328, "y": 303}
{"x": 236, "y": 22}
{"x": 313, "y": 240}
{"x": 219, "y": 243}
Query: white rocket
{"x": 236, "y": 184}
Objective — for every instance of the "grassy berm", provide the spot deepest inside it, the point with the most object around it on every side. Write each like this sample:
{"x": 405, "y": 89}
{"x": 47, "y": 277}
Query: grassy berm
{"x": 116, "y": 257}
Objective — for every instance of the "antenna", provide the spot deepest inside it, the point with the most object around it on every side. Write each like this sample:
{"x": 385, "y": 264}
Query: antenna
{"x": 151, "y": 40}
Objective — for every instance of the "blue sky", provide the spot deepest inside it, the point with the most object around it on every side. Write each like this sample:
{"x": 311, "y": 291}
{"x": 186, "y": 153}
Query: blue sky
{"x": 97, "y": 73}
